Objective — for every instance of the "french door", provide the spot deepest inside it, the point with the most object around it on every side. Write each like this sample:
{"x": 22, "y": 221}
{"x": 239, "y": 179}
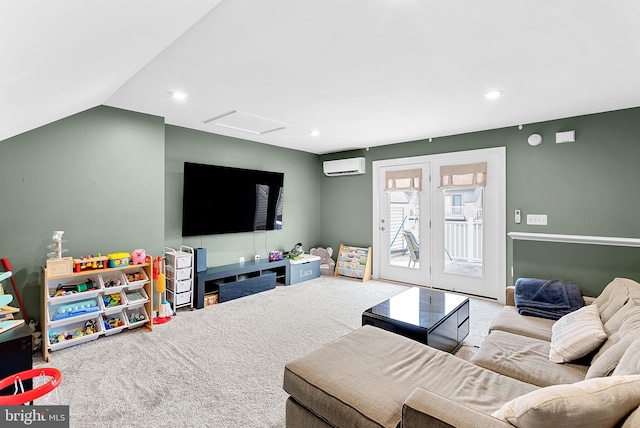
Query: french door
{"x": 447, "y": 237}
{"x": 403, "y": 227}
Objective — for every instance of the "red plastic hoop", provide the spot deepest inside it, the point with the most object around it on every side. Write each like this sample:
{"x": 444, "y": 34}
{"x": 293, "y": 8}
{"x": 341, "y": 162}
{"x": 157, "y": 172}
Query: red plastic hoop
{"x": 27, "y": 396}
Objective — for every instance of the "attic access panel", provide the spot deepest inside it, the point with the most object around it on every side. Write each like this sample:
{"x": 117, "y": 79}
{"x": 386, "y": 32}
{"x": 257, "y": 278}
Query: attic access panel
{"x": 247, "y": 122}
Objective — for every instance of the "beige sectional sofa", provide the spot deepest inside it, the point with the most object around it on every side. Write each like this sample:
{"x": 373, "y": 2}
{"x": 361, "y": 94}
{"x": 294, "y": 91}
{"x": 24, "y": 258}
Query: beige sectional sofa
{"x": 374, "y": 378}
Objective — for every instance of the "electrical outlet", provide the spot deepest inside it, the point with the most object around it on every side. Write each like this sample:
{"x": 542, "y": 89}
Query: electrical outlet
{"x": 537, "y": 219}
{"x": 256, "y": 257}
{"x": 241, "y": 259}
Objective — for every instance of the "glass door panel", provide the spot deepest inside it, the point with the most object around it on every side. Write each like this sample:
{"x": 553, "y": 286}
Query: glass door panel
{"x": 404, "y": 229}
{"x": 401, "y": 230}
{"x": 463, "y": 232}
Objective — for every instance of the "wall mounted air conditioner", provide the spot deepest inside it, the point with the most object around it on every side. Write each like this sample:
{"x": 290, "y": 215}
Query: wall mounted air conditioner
{"x": 344, "y": 167}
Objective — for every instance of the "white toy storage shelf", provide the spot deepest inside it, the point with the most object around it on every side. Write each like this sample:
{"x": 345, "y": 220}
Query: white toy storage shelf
{"x": 179, "y": 269}
{"x": 75, "y": 302}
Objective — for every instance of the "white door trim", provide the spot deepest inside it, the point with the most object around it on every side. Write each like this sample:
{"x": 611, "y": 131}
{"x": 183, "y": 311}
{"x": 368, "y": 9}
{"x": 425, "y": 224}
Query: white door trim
{"x": 438, "y": 158}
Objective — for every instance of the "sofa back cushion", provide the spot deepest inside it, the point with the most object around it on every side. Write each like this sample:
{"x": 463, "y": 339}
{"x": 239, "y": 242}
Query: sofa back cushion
{"x": 599, "y": 402}
{"x": 604, "y": 363}
{"x": 630, "y": 361}
{"x": 615, "y": 295}
{"x": 606, "y": 359}
{"x": 633, "y": 420}
{"x": 630, "y": 308}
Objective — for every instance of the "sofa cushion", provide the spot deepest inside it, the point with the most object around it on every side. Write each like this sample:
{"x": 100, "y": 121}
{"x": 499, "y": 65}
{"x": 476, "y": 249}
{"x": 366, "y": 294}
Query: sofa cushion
{"x": 428, "y": 409}
{"x": 614, "y": 296}
{"x": 629, "y": 363}
{"x": 630, "y": 308}
{"x": 363, "y": 378}
{"x": 599, "y": 402}
{"x": 576, "y": 334}
{"x": 511, "y": 321}
{"x": 525, "y": 359}
{"x": 605, "y": 362}
{"x": 615, "y": 345}
{"x": 300, "y": 416}
{"x": 633, "y": 420}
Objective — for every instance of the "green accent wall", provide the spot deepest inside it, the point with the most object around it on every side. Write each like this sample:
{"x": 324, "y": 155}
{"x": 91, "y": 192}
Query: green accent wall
{"x": 586, "y": 188}
{"x": 300, "y": 197}
{"x": 112, "y": 180}
{"x": 98, "y": 175}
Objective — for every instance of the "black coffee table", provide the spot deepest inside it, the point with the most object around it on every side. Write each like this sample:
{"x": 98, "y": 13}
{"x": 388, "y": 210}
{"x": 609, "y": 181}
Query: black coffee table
{"x": 435, "y": 318}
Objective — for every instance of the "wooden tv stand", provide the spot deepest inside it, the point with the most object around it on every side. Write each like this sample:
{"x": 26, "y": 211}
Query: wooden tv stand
{"x": 239, "y": 280}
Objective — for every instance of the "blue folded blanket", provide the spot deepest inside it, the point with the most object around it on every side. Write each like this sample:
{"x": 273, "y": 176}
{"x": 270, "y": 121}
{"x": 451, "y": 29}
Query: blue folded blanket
{"x": 547, "y": 298}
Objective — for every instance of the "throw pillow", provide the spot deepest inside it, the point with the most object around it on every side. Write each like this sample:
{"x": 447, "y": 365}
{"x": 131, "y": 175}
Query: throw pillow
{"x": 599, "y": 402}
{"x": 576, "y": 334}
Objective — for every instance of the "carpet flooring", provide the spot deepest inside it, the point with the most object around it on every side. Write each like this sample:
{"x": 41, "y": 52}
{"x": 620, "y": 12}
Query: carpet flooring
{"x": 220, "y": 366}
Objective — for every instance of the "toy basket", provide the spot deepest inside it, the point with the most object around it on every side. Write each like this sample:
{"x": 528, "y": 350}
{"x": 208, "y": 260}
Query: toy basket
{"x": 25, "y": 397}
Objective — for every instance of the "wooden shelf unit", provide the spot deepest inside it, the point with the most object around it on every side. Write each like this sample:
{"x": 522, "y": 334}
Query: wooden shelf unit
{"x": 354, "y": 262}
{"x": 127, "y": 309}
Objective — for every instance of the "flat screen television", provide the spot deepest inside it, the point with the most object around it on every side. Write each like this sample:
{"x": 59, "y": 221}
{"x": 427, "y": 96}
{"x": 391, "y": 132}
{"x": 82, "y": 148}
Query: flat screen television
{"x": 219, "y": 199}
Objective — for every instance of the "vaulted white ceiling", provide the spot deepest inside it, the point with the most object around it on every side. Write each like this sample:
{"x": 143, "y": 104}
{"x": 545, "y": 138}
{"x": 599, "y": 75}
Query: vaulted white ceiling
{"x": 362, "y": 72}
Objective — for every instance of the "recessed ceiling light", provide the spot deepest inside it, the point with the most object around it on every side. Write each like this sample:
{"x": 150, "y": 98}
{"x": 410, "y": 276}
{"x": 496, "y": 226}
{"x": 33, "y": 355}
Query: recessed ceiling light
{"x": 179, "y": 95}
{"x": 314, "y": 132}
{"x": 492, "y": 95}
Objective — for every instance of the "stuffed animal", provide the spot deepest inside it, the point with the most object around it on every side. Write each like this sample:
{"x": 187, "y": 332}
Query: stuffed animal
{"x": 327, "y": 264}
{"x": 295, "y": 252}
{"x": 138, "y": 255}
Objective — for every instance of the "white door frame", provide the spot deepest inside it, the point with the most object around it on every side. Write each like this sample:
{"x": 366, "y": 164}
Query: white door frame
{"x": 439, "y": 159}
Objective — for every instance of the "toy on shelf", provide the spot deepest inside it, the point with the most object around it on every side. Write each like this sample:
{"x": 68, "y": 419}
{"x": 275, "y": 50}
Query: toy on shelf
{"x": 67, "y": 290}
{"x": 119, "y": 259}
{"x": 89, "y": 328}
{"x": 138, "y": 256}
{"x": 76, "y": 308}
{"x": 112, "y": 300}
{"x": 136, "y": 296}
{"x": 56, "y": 264}
{"x": 112, "y": 322}
{"x": 91, "y": 262}
{"x": 113, "y": 282}
{"x": 137, "y": 317}
{"x": 134, "y": 276}
{"x": 57, "y": 245}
